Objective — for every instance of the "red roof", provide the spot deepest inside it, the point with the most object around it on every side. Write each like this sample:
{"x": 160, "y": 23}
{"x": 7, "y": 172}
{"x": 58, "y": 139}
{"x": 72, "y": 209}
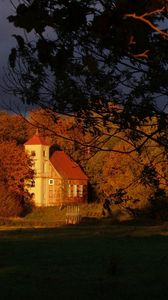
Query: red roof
{"x": 66, "y": 167}
{"x": 36, "y": 139}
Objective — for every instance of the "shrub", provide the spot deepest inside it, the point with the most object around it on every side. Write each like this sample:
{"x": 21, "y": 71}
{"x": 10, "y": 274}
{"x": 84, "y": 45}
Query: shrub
{"x": 10, "y": 203}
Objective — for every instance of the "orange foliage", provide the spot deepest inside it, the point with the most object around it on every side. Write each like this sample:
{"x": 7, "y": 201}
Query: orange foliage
{"x": 13, "y": 128}
{"x": 112, "y": 171}
{"x": 123, "y": 171}
{"x": 11, "y": 204}
{"x": 15, "y": 167}
{"x": 63, "y": 131}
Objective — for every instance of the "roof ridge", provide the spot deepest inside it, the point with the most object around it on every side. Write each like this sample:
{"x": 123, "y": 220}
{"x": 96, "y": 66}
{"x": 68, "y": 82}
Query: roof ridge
{"x": 66, "y": 166}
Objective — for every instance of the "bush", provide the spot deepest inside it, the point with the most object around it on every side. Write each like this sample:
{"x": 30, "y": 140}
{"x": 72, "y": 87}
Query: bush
{"x": 10, "y": 203}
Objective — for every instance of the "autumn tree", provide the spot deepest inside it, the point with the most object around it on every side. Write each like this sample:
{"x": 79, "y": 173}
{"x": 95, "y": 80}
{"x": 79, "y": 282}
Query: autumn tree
{"x": 13, "y": 128}
{"x": 62, "y": 131}
{"x": 136, "y": 182}
{"x": 102, "y": 61}
{"x": 15, "y": 171}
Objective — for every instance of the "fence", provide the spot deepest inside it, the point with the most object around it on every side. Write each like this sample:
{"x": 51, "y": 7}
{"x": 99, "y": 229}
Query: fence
{"x": 73, "y": 214}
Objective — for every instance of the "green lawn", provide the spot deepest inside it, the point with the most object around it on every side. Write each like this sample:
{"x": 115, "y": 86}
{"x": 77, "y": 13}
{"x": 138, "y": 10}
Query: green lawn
{"x": 84, "y": 262}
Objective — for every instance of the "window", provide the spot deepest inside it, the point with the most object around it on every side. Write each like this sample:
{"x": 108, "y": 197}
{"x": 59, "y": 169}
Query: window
{"x": 32, "y": 183}
{"x": 33, "y": 153}
{"x": 44, "y": 153}
{"x": 51, "y": 181}
{"x": 75, "y": 190}
{"x": 80, "y": 190}
{"x": 69, "y": 190}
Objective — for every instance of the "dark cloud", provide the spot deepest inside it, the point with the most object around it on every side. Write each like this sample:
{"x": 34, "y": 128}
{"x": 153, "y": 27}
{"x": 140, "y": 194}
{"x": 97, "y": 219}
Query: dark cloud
{"x": 6, "y": 43}
{"x": 6, "y": 31}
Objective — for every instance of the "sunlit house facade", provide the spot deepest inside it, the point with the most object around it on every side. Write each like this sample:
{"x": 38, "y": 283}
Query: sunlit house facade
{"x": 58, "y": 179}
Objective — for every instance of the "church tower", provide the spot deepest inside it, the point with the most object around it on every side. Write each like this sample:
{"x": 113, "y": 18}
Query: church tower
{"x": 38, "y": 149}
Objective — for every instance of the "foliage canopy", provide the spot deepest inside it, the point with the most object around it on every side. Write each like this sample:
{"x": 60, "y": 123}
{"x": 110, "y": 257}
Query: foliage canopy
{"x": 104, "y": 61}
{"x": 15, "y": 171}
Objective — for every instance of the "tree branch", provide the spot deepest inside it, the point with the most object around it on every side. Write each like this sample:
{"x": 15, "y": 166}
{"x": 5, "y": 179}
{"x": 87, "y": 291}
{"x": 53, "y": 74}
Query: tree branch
{"x": 143, "y": 19}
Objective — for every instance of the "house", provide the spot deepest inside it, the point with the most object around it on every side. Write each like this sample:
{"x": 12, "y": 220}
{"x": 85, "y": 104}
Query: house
{"x": 58, "y": 179}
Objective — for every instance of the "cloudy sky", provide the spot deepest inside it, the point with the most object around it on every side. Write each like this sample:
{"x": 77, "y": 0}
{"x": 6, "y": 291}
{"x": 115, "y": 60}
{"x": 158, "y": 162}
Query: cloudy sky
{"x": 6, "y": 43}
{"x": 5, "y": 30}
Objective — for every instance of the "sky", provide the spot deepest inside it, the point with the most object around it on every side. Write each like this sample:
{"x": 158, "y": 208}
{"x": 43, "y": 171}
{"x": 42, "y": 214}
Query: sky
{"x": 6, "y": 30}
{"x": 6, "y": 43}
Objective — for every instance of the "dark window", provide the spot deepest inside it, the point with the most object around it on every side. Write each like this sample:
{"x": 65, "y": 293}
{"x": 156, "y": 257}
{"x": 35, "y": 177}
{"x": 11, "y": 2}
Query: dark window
{"x": 33, "y": 183}
{"x": 33, "y": 153}
{"x": 51, "y": 181}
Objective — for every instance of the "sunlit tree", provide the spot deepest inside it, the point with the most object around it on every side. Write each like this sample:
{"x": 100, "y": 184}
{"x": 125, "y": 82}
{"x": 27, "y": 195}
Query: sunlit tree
{"x": 15, "y": 172}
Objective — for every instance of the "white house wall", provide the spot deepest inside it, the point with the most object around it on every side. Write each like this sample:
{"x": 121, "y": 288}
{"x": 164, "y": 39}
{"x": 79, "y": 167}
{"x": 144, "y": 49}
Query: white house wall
{"x": 50, "y": 188}
{"x": 41, "y": 167}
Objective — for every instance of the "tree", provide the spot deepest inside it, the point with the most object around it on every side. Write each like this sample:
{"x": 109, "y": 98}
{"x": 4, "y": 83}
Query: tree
{"x": 135, "y": 181}
{"x": 62, "y": 131}
{"x": 10, "y": 204}
{"x": 15, "y": 171}
{"x": 103, "y": 61}
{"x": 13, "y": 128}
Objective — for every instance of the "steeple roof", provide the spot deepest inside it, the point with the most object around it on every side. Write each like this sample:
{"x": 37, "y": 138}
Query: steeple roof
{"x": 37, "y": 139}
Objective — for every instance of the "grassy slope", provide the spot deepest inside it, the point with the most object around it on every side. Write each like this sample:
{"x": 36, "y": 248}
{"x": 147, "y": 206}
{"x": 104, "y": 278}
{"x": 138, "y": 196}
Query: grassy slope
{"x": 84, "y": 262}
{"x": 53, "y": 216}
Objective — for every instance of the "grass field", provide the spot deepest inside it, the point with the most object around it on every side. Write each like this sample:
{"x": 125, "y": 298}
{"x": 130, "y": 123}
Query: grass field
{"x": 84, "y": 262}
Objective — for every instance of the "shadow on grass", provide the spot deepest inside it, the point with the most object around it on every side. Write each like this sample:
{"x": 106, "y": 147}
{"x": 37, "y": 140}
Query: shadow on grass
{"x": 84, "y": 262}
